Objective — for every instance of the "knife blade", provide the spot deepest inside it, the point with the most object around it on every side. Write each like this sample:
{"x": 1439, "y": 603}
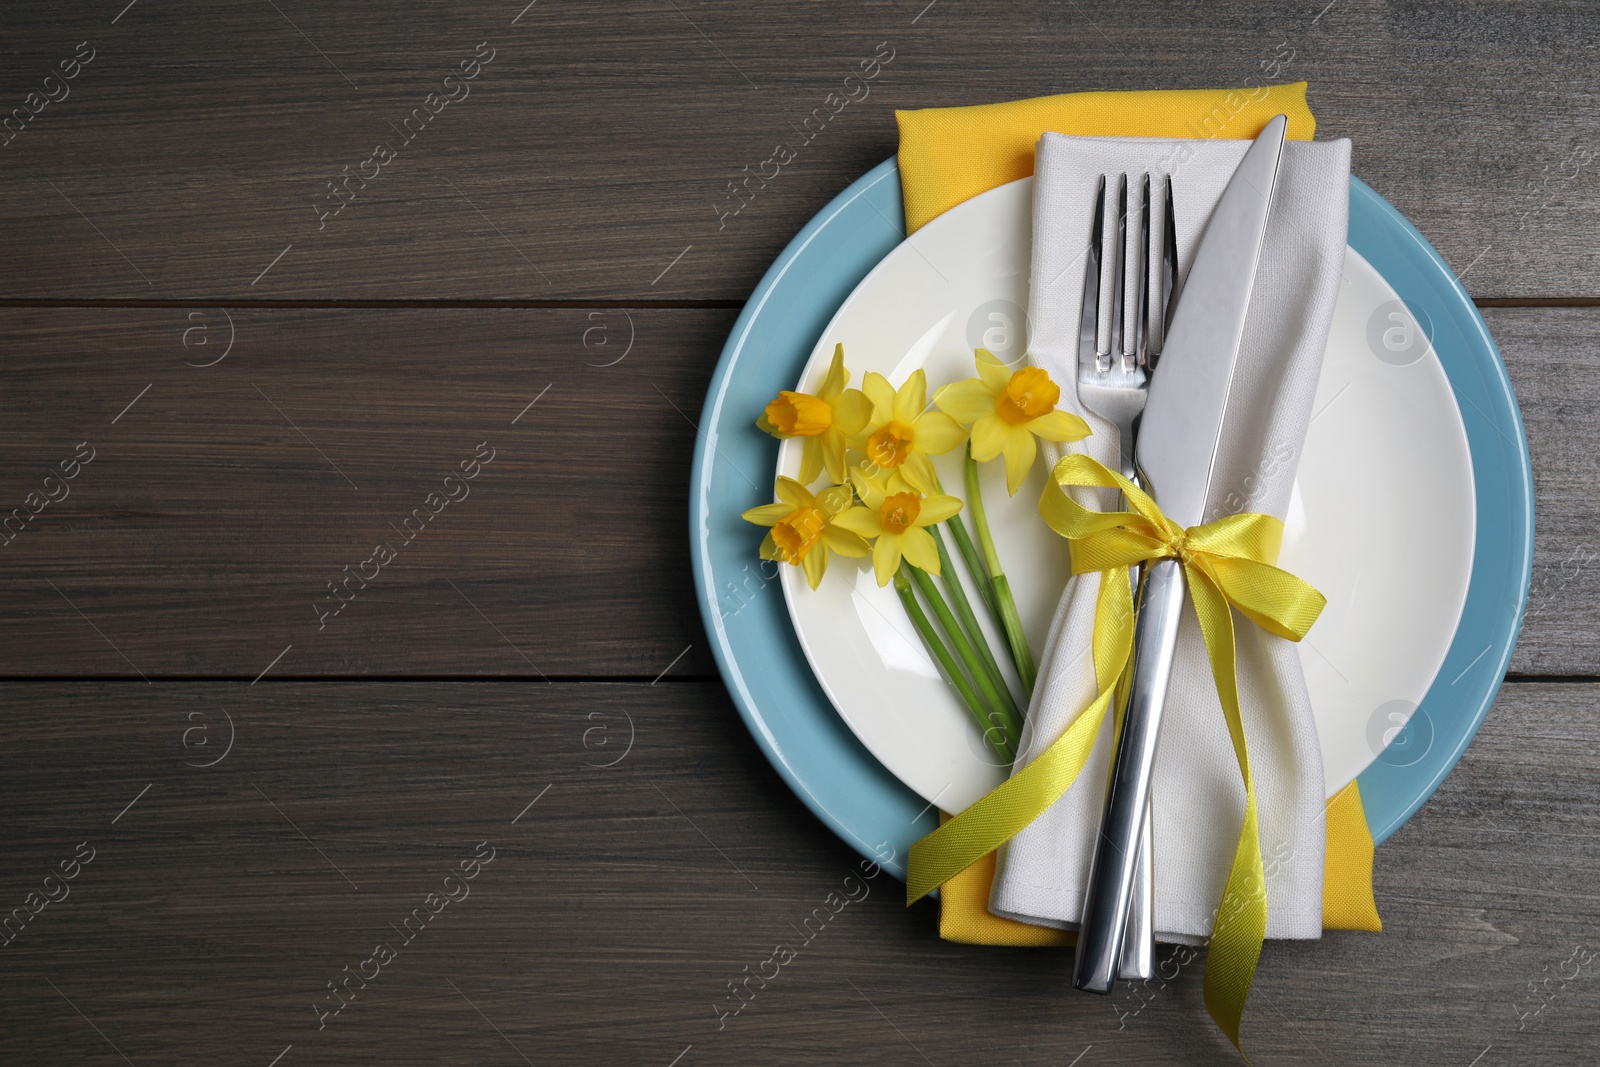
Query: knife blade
{"x": 1176, "y": 453}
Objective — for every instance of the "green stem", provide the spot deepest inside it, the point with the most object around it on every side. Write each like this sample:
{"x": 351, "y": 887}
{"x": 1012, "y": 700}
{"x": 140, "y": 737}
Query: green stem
{"x": 1021, "y": 655}
{"x": 1012, "y": 726}
{"x": 991, "y": 558}
{"x": 969, "y": 622}
{"x": 947, "y": 664}
{"x": 1010, "y": 621}
{"x": 969, "y": 555}
{"x": 969, "y": 552}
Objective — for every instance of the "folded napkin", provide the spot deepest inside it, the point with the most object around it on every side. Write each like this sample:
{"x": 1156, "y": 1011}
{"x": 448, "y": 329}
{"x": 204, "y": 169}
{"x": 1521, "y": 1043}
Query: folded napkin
{"x": 1198, "y": 794}
{"x": 949, "y": 155}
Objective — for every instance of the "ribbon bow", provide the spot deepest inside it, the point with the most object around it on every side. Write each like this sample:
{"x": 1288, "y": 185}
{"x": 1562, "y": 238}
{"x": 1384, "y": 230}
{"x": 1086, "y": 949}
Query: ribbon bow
{"x": 1227, "y": 563}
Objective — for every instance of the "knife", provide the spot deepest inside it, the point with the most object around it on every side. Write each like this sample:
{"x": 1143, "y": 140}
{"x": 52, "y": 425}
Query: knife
{"x": 1176, "y": 452}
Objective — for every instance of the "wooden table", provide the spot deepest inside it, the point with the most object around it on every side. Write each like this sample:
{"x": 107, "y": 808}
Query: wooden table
{"x": 259, "y": 343}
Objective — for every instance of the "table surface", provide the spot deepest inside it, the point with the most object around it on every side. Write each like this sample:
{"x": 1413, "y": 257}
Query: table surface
{"x": 260, "y": 345}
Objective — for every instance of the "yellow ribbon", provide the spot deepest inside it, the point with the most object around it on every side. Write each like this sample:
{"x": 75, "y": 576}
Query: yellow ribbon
{"x": 1227, "y": 563}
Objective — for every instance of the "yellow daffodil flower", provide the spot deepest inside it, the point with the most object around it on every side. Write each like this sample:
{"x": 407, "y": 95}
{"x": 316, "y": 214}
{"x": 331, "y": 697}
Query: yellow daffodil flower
{"x": 892, "y": 514}
{"x": 901, "y": 436}
{"x": 826, "y": 421}
{"x": 1006, "y": 411}
{"x": 805, "y": 528}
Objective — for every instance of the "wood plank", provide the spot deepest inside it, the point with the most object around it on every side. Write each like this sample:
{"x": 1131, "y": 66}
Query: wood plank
{"x": 599, "y": 143}
{"x": 620, "y": 905}
{"x": 216, "y": 510}
{"x": 1555, "y": 367}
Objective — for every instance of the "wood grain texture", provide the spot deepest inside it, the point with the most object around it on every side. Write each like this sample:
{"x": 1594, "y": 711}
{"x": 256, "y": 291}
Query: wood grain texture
{"x": 599, "y": 143}
{"x": 204, "y": 534}
{"x": 202, "y": 537}
{"x": 620, "y": 905}
{"x": 1555, "y": 367}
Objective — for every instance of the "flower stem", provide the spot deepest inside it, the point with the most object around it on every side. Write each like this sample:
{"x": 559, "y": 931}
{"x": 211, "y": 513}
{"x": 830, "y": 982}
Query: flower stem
{"x": 1006, "y": 607}
{"x": 969, "y": 622}
{"x": 975, "y": 567}
{"x": 969, "y": 554}
{"x": 1011, "y": 724}
{"x": 948, "y": 665}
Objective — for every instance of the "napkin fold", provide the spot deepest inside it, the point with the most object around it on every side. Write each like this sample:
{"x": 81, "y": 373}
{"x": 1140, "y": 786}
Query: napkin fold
{"x": 948, "y": 155}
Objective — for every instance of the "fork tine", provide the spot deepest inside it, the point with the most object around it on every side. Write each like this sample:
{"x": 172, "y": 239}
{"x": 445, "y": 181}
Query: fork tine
{"x": 1141, "y": 272}
{"x": 1114, "y": 349}
{"x": 1089, "y": 320}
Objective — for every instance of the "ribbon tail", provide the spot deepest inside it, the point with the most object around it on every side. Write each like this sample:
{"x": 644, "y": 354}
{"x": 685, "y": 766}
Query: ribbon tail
{"x": 1241, "y": 925}
{"x": 1239, "y": 933}
{"x": 1001, "y": 814}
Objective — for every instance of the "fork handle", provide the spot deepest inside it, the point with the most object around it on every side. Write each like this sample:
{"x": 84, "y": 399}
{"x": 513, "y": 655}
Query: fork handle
{"x": 1111, "y": 883}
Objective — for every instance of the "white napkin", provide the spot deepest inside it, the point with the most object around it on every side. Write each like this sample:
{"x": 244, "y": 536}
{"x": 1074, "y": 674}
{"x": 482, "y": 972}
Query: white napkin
{"x": 1198, "y": 794}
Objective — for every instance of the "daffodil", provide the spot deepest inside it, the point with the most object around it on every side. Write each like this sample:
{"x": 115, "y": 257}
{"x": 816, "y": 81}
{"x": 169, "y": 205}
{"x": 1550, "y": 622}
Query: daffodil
{"x": 804, "y": 527}
{"x": 893, "y": 514}
{"x": 827, "y": 421}
{"x": 1007, "y": 410}
{"x": 900, "y": 436}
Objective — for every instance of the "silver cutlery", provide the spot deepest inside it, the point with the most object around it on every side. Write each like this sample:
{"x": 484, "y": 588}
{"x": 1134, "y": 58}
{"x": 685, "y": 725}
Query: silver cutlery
{"x": 1175, "y": 452}
{"x": 1112, "y": 382}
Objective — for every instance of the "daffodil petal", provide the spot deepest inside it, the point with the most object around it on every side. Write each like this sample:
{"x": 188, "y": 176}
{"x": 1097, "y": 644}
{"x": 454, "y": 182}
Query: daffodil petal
{"x": 870, "y": 490}
{"x": 918, "y": 472}
{"x": 989, "y": 437}
{"x": 793, "y": 493}
{"x": 880, "y": 394}
{"x": 937, "y": 508}
{"x": 1020, "y": 453}
{"x": 832, "y": 443}
{"x": 852, "y": 411}
{"x": 815, "y": 565}
{"x": 886, "y": 558}
{"x": 810, "y": 459}
{"x": 912, "y": 397}
{"x": 937, "y": 433}
{"x": 769, "y": 548}
{"x": 995, "y": 375}
{"x": 898, "y": 484}
{"x": 833, "y": 383}
{"x": 766, "y": 427}
{"x": 766, "y": 514}
{"x": 834, "y": 499}
{"x": 1059, "y": 426}
{"x": 862, "y": 521}
{"x": 966, "y": 401}
{"x": 844, "y": 542}
{"x": 919, "y": 547}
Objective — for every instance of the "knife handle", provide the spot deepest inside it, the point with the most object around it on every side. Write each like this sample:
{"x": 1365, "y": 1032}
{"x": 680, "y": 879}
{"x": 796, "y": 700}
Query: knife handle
{"x": 1112, "y": 879}
{"x": 1138, "y": 957}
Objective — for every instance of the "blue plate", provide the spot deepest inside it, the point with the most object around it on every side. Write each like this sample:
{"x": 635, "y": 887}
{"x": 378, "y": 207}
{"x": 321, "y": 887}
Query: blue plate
{"x": 742, "y": 602}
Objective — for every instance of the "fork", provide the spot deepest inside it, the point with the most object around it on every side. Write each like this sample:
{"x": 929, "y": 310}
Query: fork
{"x": 1112, "y": 383}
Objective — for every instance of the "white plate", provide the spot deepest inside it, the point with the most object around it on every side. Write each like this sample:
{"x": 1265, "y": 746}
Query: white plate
{"x": 1386, "y": 440}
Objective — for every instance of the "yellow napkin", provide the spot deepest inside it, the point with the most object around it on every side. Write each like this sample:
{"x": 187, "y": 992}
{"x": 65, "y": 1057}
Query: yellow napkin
{"x": 948, "y": 155}
{"x": 951, "y": 154}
